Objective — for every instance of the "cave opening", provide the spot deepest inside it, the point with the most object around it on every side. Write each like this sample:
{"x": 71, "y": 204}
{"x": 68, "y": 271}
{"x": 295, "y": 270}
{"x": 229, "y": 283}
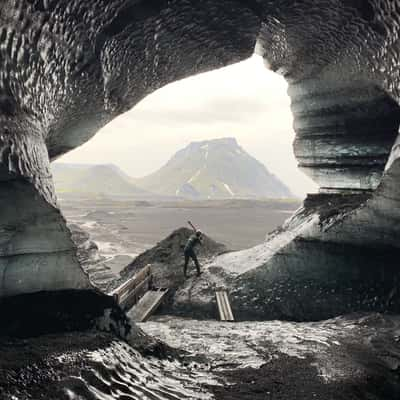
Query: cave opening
{"x": 199, "y": 115}
{"x": 342, "y": 136}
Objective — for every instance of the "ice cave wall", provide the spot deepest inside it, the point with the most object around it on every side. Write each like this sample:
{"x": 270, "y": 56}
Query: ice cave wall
{"x": 67, "y": 68}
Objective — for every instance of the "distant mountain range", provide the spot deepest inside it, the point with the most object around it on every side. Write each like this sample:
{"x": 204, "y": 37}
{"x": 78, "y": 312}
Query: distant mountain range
{"x": 82, "y": 179}
{"x": 213, "y": 169}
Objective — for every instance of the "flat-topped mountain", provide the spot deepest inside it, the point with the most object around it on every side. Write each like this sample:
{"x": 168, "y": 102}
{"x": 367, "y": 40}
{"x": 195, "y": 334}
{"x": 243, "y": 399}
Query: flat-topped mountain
{"x": 217, "y": 168}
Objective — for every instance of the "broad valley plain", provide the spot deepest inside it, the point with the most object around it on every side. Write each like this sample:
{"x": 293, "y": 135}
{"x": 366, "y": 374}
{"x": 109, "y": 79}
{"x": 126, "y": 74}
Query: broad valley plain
{"x": 122, "y": 229}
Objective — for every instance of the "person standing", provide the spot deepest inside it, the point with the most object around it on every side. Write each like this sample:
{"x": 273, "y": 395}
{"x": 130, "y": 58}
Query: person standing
{"x": 189, "y": 252}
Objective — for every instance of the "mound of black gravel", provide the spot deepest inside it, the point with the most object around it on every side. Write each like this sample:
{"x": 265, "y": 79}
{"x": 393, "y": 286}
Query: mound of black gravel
{"x": 166, "y": 259}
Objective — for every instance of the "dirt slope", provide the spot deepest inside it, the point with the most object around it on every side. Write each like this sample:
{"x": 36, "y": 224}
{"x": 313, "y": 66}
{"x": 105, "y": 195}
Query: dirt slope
{"x": 166, "y": 259}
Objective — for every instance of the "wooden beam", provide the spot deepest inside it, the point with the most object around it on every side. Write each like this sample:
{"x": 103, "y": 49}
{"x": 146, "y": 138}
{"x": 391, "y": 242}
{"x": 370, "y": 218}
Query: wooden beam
{"x": 147, "y": 305}
{"x": 224, "y": 307}
{"x": 132, "y": 288}
{"x": 132, "y": 297}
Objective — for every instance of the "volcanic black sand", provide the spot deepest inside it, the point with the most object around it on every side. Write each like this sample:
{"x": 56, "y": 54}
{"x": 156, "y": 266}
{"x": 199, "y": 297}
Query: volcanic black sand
{"x": 297, "y": 379}
{"x": 63, "y": 366}
{"x": 356, "y": 357}
{"x": 350, "y": 358}
{"x": 166, "y": 258}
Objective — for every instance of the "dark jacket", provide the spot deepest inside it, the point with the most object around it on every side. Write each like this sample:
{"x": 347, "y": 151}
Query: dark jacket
{"x": 193, "y": 241}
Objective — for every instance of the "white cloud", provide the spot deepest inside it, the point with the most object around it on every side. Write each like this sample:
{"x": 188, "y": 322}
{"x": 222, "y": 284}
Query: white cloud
{"x": 244, "y": 100}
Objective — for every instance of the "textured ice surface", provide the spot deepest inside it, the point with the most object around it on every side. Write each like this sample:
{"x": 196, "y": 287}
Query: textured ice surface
{"x": 251, "y": 344}
{"x": 242, "y": 261}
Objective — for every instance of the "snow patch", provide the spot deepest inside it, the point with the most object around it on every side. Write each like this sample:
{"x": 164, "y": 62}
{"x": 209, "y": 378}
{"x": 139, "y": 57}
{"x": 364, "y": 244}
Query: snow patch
{"x": 194, "y": 177}
{"x": 227, "y": 187}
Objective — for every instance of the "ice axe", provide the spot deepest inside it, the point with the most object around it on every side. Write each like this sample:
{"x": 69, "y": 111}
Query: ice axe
{"x": 193, "y": 227}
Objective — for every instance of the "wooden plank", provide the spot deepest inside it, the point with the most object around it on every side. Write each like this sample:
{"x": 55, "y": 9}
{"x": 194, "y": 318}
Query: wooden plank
{"x": 124, "y": 290}
{"x": 224, "y": 307}
{"x": 132, "y": 297}
{"x": 220, "y": 308}
{"x": 229, "y": 314}
{"x": 221, "y": 305}
{"x": 147, "y": 305}
{"x": 144, "y": 284}
{"x": 137, "y": 278}
{"x": 157, "y": 300}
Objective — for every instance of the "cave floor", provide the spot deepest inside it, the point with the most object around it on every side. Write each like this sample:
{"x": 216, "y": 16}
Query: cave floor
{"x": 352, "y": 357}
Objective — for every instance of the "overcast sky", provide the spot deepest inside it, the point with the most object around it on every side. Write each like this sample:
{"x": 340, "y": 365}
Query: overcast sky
{"x": 245, "y": 101}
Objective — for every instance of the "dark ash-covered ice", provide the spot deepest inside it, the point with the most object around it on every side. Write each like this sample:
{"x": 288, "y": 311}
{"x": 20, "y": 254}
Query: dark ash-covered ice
{"x": 354, "y": 357}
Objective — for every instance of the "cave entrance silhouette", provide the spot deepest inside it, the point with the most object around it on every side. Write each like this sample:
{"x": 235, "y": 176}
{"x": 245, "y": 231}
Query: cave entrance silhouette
{"x": 249, "y": 102}
{"x": 244, "y": 101}
{"x": 344, "y": 135}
